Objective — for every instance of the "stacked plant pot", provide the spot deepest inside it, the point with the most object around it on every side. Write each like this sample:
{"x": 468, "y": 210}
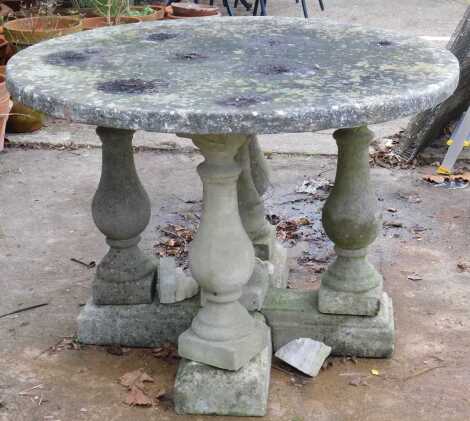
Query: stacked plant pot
{"x": 191, "y": 10}
{"x": 22, "y": 33}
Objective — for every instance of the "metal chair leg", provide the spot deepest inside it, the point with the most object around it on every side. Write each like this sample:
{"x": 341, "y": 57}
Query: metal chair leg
{"x": 263, "y": 7}
{"x": 227, "y": 6}
{"x": 246, "y": 4}
{"x": 304, "y": 7}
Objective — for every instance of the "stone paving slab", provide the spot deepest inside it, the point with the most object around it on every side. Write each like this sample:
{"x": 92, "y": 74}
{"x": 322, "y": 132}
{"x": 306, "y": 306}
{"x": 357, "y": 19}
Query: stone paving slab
{"x": 60, "y": 132}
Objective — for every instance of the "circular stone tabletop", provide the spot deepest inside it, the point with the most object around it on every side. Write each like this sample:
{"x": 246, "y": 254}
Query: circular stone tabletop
{"x": 232, "y": 75}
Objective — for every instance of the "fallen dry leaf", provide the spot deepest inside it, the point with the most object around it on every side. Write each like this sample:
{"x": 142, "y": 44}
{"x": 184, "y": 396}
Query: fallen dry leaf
{"x": 115, "y": 350}
{"x": 176, "y": 241}
{"x": 273, "y": 219}
{"x": 67, "y": 343}
{"x": 302, "y": 221}
{"x": 166, "y": 351}
{"x": 375, "y": 372}
{"x": 358, "y": 381}
{"x": 135, "y": 378}
{"x": 287, "y": 230}
{"x": 464, "y": 176}
{"x": 435, "y": 178}
{"x": 162, "y": 397}
{"x": 137, "y": 397}
{"x": 414, "y": 277}
{"x": 438, "y": 178}
{"x": 327, "y": 364}
{"x": 393, "y": 224}
{"x": 463, "y": 267}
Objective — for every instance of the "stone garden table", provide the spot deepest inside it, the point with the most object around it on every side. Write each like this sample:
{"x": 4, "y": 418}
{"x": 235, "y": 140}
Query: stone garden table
{"x": 220, "y": 82}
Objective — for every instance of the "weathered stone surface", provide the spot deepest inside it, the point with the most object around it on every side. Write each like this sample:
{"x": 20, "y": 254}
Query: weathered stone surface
{"x": 351, "y": 219}
{"x": 254, "y": 292}
{"x": 173, "y": 284}
{"x": 294, "y": 314}
{"x": 304, "y": 354}
{"x": 328, "y": 75}
{"x": 205, "y": 390}
{"x": 121, "y": 211}
{"x": 142, "y": 325}
{"x": 222, "y": 260}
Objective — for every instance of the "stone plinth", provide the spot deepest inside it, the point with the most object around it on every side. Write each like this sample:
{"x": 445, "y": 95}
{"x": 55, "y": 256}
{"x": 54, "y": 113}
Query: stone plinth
{"x": 142, "y": 325}
{"x": 293, "y": 314}
{"x": 205, "y": 390}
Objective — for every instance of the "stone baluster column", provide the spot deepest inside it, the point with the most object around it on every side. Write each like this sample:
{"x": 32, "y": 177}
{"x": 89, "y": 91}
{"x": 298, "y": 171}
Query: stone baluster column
{"x": 252, "y": 184}
{"x": 351, "y": 219}
{"x": 223, "y": 334}
{"x": 251, "y": 206}
{"x": 121, "y": 211}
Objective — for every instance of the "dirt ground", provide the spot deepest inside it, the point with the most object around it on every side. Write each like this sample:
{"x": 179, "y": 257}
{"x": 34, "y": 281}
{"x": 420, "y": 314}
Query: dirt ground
{"x": 45, "y": 220}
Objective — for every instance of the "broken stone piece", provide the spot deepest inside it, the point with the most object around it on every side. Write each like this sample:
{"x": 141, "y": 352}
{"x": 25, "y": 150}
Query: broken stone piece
{"x": 304, "y": 354}
{"x": 254, "y": 292}
{"x": 173, "y": 284}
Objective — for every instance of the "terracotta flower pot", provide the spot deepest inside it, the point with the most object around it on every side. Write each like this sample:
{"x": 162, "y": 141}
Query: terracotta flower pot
{"x": 28, "y": 31}
{"x": 159, "y": 13}
{"x": 5, "y": 11}
{"x": 4, "y": 50}
{"x": 165, "y": 7}
{"x": 22, "y": 119}
{"x": 99, "y": 22}
{"x": 5, "y": 106}
{"x": 14, "y": 5}
{"x": 192, "y": 10}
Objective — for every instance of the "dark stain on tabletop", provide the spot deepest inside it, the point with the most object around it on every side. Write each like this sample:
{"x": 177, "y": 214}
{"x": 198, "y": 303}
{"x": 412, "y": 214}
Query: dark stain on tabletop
{"x": 71, "y": 57}
{"x": 242, "y": 101}
{"x": 132, "y": 86}
{"x": 161, "y": 36}
{"x": 274, "y": 69}
{"x": 385, "y": 43}
{"x": 64, "y": 58}
{"x": 190, "y": 56}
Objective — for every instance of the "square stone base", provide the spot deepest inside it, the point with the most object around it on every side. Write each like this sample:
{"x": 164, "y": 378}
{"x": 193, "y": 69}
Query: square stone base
{"x": 355, "y": 304}
{"x": 229, "y": 355}
{"x": 293, "y": 314}
{"x": 141, "y": 325}
{"x": 140, "y": 291}
{"x": 205, "y": 390}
